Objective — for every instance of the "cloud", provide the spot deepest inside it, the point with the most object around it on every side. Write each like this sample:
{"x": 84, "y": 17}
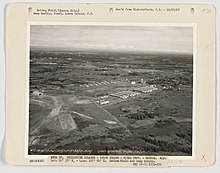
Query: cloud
{"x": 115, "y": 38}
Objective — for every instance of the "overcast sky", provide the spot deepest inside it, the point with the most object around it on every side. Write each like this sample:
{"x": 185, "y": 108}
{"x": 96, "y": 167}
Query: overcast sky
{"x": 112, "y": 38}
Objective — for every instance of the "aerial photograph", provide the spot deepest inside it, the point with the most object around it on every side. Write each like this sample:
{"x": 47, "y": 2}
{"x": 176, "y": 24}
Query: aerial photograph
{"x": 110, "y": 90}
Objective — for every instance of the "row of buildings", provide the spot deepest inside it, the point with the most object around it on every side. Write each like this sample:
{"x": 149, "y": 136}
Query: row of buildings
{"x": 125, "y": 94}
{"x": 109, "y": 99}
{"x": 112, "y": 82}
{"x": 146, "y": 89}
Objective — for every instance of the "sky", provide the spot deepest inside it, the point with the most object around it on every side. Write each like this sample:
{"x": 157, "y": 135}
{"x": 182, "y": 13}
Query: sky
{"x": 112, "y": 38}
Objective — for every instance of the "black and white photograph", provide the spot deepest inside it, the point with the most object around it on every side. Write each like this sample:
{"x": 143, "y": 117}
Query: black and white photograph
{"x": 110, "y": 90}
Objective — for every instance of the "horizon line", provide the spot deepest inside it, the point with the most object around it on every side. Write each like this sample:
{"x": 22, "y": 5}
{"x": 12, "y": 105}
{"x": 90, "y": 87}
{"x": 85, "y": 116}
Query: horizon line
{"x": 34, "y": 48}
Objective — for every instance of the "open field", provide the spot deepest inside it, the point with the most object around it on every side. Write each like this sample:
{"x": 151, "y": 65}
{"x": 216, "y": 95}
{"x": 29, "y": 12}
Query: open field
{"x": 110, "y": 103}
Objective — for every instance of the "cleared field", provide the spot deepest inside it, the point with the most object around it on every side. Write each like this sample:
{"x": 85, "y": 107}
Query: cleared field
{"x": 67, "y": 122}
{"x": 37, "y": 113}
{"x": 97, "y": 113}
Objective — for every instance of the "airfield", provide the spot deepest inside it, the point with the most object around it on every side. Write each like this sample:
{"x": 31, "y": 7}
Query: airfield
{"x": 110, "y": 103}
